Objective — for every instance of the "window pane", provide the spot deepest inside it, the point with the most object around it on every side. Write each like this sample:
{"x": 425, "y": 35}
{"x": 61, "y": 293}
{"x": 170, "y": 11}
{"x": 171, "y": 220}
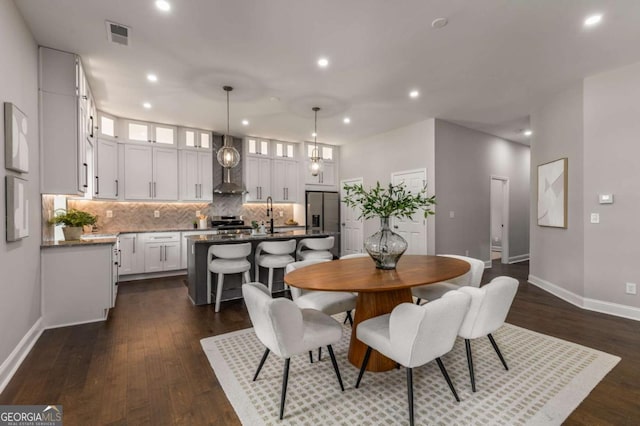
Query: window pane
{"x": 107, "y": 126}
{"x": 290, "y": 151}
{"x": 138, "y": 132}
{"x": 327, "y": 153}
{"x": 190, "y": 138}
{"x": 252, "y": 146}
{"x": 204, "y": 140}
{"x": 264, "y": 147}
{"x": 164, "y": 135}
{"x": 279, "y": 150}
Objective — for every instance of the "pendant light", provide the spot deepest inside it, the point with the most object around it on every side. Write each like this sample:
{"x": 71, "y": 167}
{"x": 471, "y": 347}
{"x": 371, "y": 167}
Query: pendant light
{"x": 228, "y": 156}
{"x": 316, "y": 158}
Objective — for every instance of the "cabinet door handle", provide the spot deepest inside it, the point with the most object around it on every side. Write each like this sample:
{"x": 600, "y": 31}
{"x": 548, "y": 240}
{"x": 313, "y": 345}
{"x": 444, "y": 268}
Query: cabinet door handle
{"x": 97, "y": 185}
{"x": 161, "y": 253}
{"x": 257, "y": 191}
{"x": 284, "y": 193}
{"x": 196, "y": 186}
{"x": 155, "y": 193}
{"x": 150, "y": 190}
{"x": 134, "y": 244}
{"x": 91, "y": 119}
{"x": 117, "y": 187}
{"x": 119, "y": 258}
{"x": 86, "y": 175}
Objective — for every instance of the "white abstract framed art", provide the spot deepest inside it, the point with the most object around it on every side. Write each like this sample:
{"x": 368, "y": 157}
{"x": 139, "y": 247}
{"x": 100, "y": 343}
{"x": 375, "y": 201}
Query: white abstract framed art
{"x": 17, "y": 208}
{"x": 552, "y": 193}
{"x": 16, "y": 153}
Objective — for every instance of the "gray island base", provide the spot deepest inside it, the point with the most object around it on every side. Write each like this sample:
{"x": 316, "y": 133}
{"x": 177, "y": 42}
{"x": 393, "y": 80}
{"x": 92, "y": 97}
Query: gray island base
{"x": 198, "y": 246}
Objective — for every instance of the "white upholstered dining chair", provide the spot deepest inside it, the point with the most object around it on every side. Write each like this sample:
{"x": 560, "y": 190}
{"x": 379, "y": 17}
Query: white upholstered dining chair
{"x": 489, "y": 307}
{"x": 287, "y": 330}
{"x": 414, "y": 335}
{"x": 435, "y": 291}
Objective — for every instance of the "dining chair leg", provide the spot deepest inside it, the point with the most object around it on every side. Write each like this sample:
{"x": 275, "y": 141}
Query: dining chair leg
{"x": 264, "y": 358}
{"x": 350, "y": 318}
{"x": 335, "y": 366}
{"x": 285, "y": 379}
{"x": 467, "y": 344}
{"x": 365, "y": 361}
{"x": 495, "y": 346}
{"x": 410, "y": 393}
{"x": 446, "y": 377}
{"x": 418, "y": 301}
{"x": 320, "y": 353}
{"x": 311, "y": 357}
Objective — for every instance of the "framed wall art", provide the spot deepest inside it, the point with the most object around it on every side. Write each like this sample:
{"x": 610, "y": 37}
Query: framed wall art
{"x": 16, "y": 147}
{"x": 552, "y": 194}
{"x": 17, "y": 208}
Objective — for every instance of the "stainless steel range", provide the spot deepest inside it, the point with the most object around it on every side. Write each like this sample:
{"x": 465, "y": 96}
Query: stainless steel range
{"x": 229, "y": 224}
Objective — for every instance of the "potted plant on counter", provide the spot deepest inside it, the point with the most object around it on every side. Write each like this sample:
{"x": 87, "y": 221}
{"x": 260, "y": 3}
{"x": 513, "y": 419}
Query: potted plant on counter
{"x": 73, "y": 221}
{"x": 385, "y": 246}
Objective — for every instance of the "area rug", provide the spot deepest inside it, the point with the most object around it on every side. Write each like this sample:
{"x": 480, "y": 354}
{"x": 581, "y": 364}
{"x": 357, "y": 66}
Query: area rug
{"x": 547, "y": 379}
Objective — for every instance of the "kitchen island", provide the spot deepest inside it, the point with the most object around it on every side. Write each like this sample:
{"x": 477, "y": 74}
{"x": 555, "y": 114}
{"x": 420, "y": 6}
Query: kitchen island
{"x": 198, "y": 246}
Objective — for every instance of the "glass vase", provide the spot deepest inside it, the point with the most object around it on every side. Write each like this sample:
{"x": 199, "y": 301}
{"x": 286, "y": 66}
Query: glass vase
{"x": 385, "y": 246}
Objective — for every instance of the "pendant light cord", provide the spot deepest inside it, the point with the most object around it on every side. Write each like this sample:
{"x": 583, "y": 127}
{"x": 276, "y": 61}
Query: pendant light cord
{"x": 227, "y": 112}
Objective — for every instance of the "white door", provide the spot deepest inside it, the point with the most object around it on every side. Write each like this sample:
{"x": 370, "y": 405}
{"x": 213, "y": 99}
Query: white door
{"x": 189, "y": 189}
{"x": 171, "y": 256}
{"x": 352, "y": 240}
{"x": 165, "y": 174}
{"x": 291, "y": 181}
{"x": 499, "y": 222}
{"x": 128, "y": 264}
{"x": 153, "y": 257}
{"x": 278, "y": 180}
{"x": 138, "y": 172}
{"x": 205, "y": 170}
{"x": 107, "y": 165}
{"x": 414, "y": 229}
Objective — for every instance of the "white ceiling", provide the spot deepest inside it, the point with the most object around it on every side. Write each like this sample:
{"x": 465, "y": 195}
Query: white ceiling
{"x": 487, "y": 69}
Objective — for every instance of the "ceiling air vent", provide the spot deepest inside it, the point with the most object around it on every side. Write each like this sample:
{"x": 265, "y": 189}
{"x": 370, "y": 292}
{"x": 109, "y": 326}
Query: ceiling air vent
{"x": 118, "y": 34}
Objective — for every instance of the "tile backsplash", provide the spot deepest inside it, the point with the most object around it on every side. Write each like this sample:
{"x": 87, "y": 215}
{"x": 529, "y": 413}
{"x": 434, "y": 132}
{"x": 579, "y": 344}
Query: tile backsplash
{"x": 134, "y": 216}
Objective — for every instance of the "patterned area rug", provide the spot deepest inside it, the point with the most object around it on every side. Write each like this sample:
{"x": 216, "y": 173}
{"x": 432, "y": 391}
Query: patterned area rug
{"x": 547, "y": 379}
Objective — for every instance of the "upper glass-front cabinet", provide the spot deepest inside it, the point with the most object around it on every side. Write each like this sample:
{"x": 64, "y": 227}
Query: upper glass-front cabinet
{"x": 194, "y": 138}
{"x": 107, "y": 126}
{"x": 257, "y": 146}
{"x": 140, "y": 131}
{"x": 326, "y": 151}
{"x": 284, "y": 149}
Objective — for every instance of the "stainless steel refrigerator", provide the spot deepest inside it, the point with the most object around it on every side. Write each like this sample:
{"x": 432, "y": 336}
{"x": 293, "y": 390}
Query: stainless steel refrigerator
{"x": 323, "y": 214}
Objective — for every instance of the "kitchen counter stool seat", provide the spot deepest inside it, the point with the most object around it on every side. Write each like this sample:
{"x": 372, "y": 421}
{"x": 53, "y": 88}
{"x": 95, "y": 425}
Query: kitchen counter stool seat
{"x": 227, "y": 259}
{"x": 317, "y": 249}
{"x": 272, "y": 255}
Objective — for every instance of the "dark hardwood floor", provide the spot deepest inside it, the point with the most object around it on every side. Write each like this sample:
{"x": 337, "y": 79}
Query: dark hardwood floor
{"x": 145, "y": 364}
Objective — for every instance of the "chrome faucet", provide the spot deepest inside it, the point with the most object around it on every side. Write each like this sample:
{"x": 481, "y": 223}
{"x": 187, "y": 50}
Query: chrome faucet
{"x": 270, "y": 213}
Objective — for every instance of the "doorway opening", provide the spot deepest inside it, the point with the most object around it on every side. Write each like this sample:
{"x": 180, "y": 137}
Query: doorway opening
{"x": 499, "y": 222}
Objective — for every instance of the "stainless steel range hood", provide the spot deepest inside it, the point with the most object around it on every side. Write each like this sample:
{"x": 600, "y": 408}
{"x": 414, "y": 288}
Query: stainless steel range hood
{"x": 227, "y": 187}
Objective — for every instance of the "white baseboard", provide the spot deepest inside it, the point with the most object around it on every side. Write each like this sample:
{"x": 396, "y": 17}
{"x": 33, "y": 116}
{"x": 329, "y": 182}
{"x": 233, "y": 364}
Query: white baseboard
{"x": 487, "y": 264}
{"x": 519, "y": 258}
{"x": 69, "y": 324}
{"x": 601, "y": 306}
{"x": 15, "y": 358}
{"x": 148, "y": 275}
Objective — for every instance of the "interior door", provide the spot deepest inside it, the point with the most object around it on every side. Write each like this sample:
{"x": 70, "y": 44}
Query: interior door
{"x": 413, "y": 229}
{"x": 351, "y": 234}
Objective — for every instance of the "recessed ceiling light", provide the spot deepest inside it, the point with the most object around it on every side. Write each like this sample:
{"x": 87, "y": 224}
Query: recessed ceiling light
{"x": 527, "y": 132}
{"x": 245, "y": 122}
{"x": 439, "y": 23}
{"x": 163, "y": 5}
{"x": 314, "y": 134}
{"x": 346, "y": 120}
{"x": 323, "y": 62}
{"x": 414, "y": 94}
{"x": 147, "y": 105}
{"x": 274, "y": 99}
{"x": 152, "y": 77}
{"x": 592, "y": 20}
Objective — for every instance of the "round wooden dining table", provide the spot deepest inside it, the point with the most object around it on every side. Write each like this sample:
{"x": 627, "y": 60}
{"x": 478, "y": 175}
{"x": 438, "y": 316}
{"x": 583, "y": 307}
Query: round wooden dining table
{"x": 379, "y": 291}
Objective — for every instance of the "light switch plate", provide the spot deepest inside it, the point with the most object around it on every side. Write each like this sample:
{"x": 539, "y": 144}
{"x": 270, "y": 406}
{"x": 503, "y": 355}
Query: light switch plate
{"x": 197, "y": 213}
{"x": 631, "y": 288}
{"x": 605, "y": 198}
{"x": 156, "y": 213}
{"x": 109, "y": 213}
{"x": 595, "y": 218}
{"x": 452, "y": 214}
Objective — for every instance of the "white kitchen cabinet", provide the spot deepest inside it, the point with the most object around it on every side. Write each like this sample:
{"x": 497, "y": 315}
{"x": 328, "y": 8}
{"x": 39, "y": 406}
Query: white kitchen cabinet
{"x": 285, "y": 181}
{"x": 162, "y": 251}
{"x": 184, "y": 246}
{"x": 257, "y": 178}
{"x": 196, "y": 175}
{"x": 150, "y": 173}
{"x": 327, "y": 177}
{"x": 107, "y": 126}
{"x": 131, "y": 254}
{"x": 64, "y": 127}
{"x": 144, "y": 132}
{"x": 285, "y": 150}
{"x": 77, "y": 284}
{"x": 194, "y": 138}
{"x": 257, "y": 146}
{"x": 107, "y": 185}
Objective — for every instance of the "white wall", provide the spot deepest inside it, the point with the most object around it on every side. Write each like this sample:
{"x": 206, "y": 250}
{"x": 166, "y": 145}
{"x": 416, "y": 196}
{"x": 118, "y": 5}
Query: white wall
{"x": 465, "y": 161}
{"x": 611, "y": 158}
{"x": 19, "y": 261}
{"x": 374, "y": 159}
{"x": 557, "y": 255}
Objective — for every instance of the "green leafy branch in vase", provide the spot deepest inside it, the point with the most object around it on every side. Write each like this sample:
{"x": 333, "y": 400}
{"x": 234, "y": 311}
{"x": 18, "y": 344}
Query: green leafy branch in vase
{"x": 390, "y": 201}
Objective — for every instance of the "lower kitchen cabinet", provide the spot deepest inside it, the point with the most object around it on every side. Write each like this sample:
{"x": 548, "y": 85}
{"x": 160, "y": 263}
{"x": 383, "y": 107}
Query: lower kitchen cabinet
{"x": 78, "y": 283}
{"x": 131, "y": 254}
{"x": 161, "y": 251}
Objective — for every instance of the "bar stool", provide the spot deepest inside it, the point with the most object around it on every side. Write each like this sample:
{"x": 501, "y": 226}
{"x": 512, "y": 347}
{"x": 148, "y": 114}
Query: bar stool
{"x": 318, "y": 249}
{"x": 277, "y": 255}
{"x": 229, "y": 259}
